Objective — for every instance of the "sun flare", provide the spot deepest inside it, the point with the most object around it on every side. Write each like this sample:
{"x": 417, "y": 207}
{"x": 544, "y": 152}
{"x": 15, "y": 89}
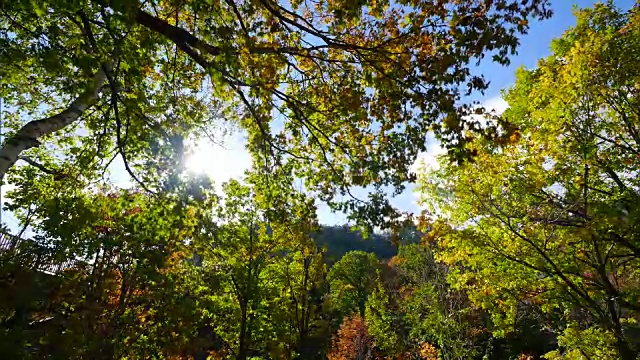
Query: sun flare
{"x": 220, "y": 162}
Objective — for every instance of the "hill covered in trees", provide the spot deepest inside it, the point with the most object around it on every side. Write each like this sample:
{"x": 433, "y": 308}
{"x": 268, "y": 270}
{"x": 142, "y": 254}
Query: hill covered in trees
{"x": 339, "y": 240}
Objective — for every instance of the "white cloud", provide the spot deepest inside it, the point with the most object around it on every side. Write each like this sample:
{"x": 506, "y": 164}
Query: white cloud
{"x": 429, "y": 158}
{"x": 497, "y": 104}
{"x": 225, "y": 159}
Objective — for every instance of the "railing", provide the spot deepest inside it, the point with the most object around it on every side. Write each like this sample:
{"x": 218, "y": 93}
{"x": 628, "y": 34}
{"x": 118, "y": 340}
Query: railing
{"x": 30, "y": 254}
{"x": 8, "y": 241}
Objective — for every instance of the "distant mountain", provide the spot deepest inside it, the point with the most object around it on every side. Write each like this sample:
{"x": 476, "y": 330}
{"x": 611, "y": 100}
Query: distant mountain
{"x": 338, "y": 240}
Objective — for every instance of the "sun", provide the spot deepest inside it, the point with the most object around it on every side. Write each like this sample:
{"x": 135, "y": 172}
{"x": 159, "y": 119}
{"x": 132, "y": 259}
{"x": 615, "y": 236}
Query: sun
{"x": 220, "y": 162}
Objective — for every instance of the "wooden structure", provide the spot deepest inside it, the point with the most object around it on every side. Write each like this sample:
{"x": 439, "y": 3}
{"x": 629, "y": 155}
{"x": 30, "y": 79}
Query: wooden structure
{"x": 30, "y": 254}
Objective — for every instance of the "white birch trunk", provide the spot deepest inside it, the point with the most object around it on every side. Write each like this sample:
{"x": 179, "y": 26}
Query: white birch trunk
{"x": 28, "y": 136}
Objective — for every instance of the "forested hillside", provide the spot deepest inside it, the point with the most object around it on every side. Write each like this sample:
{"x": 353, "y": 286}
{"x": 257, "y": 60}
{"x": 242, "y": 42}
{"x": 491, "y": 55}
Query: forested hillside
{"x": 338, "y": 240}
{"x": 526, "y": 245}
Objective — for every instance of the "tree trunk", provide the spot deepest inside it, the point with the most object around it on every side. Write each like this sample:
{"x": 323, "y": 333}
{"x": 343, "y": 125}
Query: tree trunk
{"x": 28, "y": 136}
{"x": 242, "y": 349}
{"x": 624, "y": 350}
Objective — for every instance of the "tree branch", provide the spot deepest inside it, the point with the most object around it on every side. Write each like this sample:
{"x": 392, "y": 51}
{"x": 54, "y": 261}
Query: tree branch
{"x": 36, "y": 164}
{"x": 28, "y": 136}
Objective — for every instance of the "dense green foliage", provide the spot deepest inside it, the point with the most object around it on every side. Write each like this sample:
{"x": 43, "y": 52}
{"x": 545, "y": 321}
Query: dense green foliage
{"x": 528, "y": 247}
{"x": 551, "y": 218}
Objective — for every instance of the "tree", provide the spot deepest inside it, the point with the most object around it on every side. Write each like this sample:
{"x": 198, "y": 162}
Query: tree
{"x": 123, "y": 249}
{"x": 249, "y": 245}
{"x": 380, "y": 322}
{"x": 303, "y": 273}
{"x": 241, "y": 247}
{"x": 433, "y": 313}
{"x": 547, "y": 218}
{"x": 352, "y": 341}
{"x": 351, "y": 280}
{"x": 354, "y": 85}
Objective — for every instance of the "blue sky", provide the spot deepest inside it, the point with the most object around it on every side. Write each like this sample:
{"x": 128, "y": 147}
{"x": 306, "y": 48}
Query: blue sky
{"x": 230, "y": 160}
{"x": 536, "y": 44}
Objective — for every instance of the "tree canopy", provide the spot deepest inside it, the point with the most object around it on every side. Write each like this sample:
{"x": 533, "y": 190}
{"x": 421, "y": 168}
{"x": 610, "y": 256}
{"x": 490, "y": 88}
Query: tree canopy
{"x": 548, "y": 219}
{"x": 341, "y": 91}
{"x": 527, "y": 247}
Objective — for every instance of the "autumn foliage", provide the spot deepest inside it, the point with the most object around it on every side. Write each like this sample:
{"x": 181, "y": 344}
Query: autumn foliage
{"x": 352, "y": 342}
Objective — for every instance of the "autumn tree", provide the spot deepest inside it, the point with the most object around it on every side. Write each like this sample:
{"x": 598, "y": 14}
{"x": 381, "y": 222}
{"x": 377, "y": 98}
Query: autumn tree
{"x": 345, "y": 91}
{"x": 300, "y": 305}
{"x": 122, "y": 248}
{"x": 548, "y": 218}
{"x": 381, "y": 322}
{"x": 352, "y": 341}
